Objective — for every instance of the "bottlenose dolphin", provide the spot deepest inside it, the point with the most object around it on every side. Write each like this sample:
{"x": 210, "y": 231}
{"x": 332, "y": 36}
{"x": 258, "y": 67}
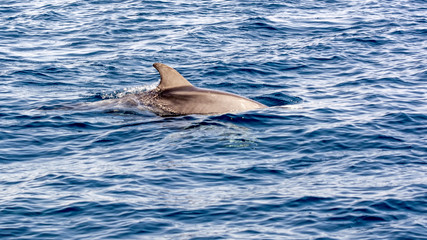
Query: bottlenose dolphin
{"x": 175, "y": 96}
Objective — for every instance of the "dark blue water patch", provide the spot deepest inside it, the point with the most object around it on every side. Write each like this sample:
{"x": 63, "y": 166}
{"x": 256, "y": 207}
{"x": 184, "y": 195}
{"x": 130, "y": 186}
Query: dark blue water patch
{"x": 307, "y": 201}
{"x": 44, "y": 76}
{"x": 36, "y": 74}
{"x": 215, "y": 178}
{"x": 372, "y": 41}
{"x": 214, "y": 213}
{"x": 210, "y": 237}
{"x": 145, "y": 227}
{"x": 218, "y": 70}
{"x": 417, "y": 207}
{"x": 349, "y": 138}
{"x": 27, "y": 49}
{"x": 411, "y": 32}
{"x": 285, "y": 65}
{"x": 7, "y": 9}
{"x": 300, "y": 163}
{"x": 64, "y": 182}
{"x": 78, "y": 42}
{"x": 14, "y": 231}
{"x": 401, "y": 118}
{"x": 48, "y": 123}
{"x": 262, "y": 170}
{"x": 89, "y": 54}
{"x": 353, "y": 221}
{"x": 407, "y": 123}
{"x": 67, "y": 211}
{"x": 50, "y": 16}
{"x": 377, "y": 83}
{"x": 257, "y": 23}
{"x": 86, "y": 208}
{"x": 248, "y": 70}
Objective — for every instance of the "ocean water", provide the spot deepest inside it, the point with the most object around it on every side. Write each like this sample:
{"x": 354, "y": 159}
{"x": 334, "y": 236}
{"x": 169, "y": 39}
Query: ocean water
{"x": 340, "y": 153}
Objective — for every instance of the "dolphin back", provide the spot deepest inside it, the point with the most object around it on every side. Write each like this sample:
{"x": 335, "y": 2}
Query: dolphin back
{"x": 193, "y": 100}
{"x": 175, "y": 95}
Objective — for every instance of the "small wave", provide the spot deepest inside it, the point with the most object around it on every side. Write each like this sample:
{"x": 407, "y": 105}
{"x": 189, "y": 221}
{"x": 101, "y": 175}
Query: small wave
{"x": 124, "y": 92}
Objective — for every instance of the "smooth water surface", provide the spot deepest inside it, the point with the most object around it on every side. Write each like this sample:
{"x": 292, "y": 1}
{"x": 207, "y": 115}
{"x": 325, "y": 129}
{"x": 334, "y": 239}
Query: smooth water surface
{"x": 340, "y": 154}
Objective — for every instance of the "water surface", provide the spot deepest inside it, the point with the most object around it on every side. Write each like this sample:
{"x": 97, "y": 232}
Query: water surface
{"x": 344, "y": 157}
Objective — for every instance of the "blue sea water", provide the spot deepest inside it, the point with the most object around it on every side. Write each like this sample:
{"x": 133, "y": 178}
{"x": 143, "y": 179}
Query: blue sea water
{"x": 340, "y": 154}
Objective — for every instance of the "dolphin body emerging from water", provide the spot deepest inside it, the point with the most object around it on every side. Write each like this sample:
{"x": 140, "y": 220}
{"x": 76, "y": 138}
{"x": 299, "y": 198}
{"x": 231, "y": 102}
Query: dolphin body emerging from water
{"x": 176, "y": 96}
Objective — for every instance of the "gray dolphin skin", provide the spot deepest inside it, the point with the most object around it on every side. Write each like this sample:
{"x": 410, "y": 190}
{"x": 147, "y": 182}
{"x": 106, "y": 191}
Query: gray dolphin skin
{"x": 176, "y": 96}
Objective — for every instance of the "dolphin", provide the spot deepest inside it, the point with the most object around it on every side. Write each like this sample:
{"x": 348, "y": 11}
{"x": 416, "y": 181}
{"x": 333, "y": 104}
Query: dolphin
{"x": 175, "y": 96}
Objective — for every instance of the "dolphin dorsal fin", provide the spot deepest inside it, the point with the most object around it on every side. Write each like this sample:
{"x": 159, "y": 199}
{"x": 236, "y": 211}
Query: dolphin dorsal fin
{"x": 169, "y": 77}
